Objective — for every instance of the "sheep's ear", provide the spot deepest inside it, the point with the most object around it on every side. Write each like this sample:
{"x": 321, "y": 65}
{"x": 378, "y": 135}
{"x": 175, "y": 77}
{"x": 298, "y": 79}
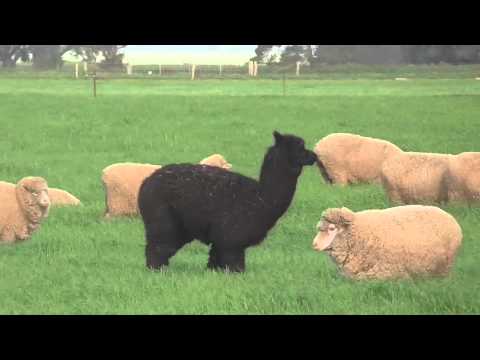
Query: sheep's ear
{"x": 347, "y": 215}
{"x": 278, "y": 137}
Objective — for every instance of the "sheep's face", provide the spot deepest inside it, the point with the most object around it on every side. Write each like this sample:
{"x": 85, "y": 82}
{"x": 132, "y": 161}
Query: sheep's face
{"x": 294, "y": 146}
{"x": 33, "y": 194}
{"x": 328, "y": 236}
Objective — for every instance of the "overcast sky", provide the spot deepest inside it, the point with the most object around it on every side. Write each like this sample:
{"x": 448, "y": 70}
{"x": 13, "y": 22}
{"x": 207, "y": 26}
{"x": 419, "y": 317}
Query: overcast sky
{"x": 189, "y": 53}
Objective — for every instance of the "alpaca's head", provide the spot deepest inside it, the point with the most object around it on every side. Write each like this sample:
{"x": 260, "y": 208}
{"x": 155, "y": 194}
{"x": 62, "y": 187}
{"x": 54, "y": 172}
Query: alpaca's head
{"x": 294, "y": 150}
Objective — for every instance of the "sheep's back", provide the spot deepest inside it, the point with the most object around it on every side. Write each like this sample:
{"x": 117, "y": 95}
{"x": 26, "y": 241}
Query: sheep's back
{"x": 464, "y": 177}
{"x": 8, "y": 205}
{"x": 128, "y": 176}
{"x": 418, "y": 176}
{"x": 361, "y": 156}
{"x": 411, "y": 233}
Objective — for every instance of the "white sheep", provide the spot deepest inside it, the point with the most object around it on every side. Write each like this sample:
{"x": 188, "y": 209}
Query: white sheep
{"x": 23, "y": 207}
{"x": 425, "y": 178}
{"x": 348, "y": 159}
{"x": 400, "y": 242}
{"x": 60, "y": 197}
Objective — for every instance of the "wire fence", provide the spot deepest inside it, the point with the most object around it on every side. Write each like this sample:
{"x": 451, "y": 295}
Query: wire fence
{"x": 251, "y": 70}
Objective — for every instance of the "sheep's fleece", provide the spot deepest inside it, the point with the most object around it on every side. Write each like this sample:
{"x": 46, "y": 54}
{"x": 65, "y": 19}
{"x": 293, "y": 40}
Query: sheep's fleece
{"x": 60, "y": 197}
{"x": 122, "y": 183}
{"x": 350, "y": 158}
{"x": 424, "y": 178}
{"x": 216, "y": 160}
{"x": 399, "y": 242}
{"x": 22, "y": 208}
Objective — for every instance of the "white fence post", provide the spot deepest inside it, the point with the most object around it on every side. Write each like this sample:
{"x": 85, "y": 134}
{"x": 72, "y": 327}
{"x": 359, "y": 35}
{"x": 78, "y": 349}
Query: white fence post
{"x": 220, "y": 70}
{"x": 298, "y": 68}
{"x": 159, "y": 70}
{"x": 85, "y": 68}
{"x": 250, "y": 68}
{"x": 76, "y": 71}
{"x": 129, "y": 69}
{"x": 193, "y": 71}
{"x": 255, "y": 68}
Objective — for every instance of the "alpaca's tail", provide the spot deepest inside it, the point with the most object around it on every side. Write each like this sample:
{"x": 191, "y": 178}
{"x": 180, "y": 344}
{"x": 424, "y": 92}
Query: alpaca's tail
{"x": 323, "y": 171}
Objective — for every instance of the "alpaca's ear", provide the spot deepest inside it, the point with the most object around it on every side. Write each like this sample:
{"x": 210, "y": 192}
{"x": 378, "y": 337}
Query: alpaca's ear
{"x": 278, "y": 137}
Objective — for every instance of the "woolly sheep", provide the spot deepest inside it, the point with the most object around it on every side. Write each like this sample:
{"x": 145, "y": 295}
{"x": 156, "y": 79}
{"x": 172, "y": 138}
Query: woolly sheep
{"x": 400, "y": 242}
{"x": 60, "y": 197}
{"x": 425, "y": 178}
{"x": 348, "y": 159}
{"x": 216, "y": 160}
{"x": 122, "y": 183}
{"x": 23, "y": 207}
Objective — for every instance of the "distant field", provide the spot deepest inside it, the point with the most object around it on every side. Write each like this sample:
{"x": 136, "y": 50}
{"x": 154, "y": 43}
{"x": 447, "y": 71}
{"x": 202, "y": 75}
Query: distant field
{"x": 80, "y": 264}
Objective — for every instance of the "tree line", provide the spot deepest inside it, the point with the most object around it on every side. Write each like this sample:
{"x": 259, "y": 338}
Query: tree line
{"x": 46, "y": 57}
{"x": 367, "y": 54}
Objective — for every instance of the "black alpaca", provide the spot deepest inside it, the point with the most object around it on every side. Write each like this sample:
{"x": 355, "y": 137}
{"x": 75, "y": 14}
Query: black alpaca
{"x": 182, "y": 202}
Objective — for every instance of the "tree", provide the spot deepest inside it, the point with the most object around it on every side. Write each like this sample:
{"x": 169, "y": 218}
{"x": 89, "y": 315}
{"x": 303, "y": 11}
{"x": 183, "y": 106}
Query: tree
{"x": 111, "y": 54}
{"x": 292, "y": 53}
{"x": 47, "y": 57}
{"x": 263, "y": 54}
{"x": 10, "y": 54}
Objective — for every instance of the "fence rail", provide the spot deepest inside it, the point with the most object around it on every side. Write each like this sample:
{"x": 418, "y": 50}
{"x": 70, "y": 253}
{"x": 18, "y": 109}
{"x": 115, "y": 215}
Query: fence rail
{"x": 252, "y": 70}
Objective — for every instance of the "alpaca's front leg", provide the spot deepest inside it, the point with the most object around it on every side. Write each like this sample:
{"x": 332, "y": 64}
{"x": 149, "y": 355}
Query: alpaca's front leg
{"x": 232, "y": 260}
{"x": 163, "y": 241}
{"x": 212, "y": 258}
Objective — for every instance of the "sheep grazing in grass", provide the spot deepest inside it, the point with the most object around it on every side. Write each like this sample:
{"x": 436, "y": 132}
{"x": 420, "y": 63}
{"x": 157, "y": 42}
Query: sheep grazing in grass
{"x": 423, "y": 178}
{"x": 22, "y": 208}
{"x": 60, "y": 197}
{"x": 226, "y": 210}
{"x": 348, "y": 159}
{"x": 122, "y": 182}
{"x": 216, "y": 160}
{"x": 401, "y": 242}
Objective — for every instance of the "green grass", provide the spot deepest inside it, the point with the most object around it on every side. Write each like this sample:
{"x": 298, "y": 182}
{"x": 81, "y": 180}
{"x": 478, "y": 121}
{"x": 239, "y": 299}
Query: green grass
{"x": 80, "y": 264}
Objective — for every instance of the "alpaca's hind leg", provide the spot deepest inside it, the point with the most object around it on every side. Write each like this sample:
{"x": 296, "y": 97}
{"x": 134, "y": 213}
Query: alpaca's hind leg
{"x": 164, "y": 239}
{"x": 212, "y": 258}
{"x": 232, "y": 260}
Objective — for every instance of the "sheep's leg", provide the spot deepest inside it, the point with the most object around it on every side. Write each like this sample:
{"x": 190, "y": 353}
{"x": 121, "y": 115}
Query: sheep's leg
{"x": 164, "y": 239}
{"x": 340, "y": 179}
{"x": 8, "y": 236}
{"x": 232, "y": 260}
{"x": 394, "y": 196}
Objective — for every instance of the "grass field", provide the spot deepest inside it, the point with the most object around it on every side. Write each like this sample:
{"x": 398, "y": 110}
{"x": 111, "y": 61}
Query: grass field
{"x": 80, "y": 264}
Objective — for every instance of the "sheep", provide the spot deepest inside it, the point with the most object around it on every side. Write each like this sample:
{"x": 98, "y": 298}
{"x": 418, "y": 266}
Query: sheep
{"x": 60, "y": 197}
{"x": 400, "y": 242}
{"x": 122, "y": 182}
{"x": 348, "y": 159}
{"x": 23, "y": 207}
{"x": 426, "y": 178}
{"x": 216, "y": 160}
{"x": 225, "y": 210}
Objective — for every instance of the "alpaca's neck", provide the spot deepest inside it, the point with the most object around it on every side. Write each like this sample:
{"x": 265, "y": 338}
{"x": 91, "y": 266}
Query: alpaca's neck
{"x": 278, "y": 182}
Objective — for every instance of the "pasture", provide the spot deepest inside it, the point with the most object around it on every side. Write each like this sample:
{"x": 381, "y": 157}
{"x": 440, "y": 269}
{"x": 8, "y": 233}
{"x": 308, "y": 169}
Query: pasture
{"x": 79, "y": 263}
